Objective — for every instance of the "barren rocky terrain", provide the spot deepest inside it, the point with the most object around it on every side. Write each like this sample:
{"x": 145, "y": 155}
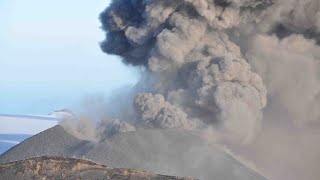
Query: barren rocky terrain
{"x": 69, "y": 168}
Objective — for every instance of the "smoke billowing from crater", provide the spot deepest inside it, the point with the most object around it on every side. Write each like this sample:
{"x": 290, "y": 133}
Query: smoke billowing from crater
{"x": 199, "y": 76}
{"x": 241, "y": 67}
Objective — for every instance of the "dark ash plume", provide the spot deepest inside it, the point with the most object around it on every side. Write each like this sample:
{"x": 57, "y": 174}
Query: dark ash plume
{"x": 214, "y": 64}
{"x": 201, "y": 76}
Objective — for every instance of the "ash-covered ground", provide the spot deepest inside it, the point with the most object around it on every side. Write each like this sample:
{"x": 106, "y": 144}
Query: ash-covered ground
{"x": 170, "y": 152}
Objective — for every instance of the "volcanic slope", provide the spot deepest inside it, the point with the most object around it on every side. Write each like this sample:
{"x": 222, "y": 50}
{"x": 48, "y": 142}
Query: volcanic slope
{"x": 172, "y": 152}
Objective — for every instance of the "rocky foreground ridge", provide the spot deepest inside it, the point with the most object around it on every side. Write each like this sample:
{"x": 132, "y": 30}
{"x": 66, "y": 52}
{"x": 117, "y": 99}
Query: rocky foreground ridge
{"x": 69, "y": 168}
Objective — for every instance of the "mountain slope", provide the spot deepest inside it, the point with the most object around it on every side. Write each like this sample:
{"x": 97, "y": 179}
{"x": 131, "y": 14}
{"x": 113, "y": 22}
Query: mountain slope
{"x": 173, "y": 152}
{"x": 7, "y": 141}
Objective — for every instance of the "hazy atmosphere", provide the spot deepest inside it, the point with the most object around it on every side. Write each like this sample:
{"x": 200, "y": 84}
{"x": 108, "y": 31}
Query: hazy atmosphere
{"x": 208, "y": 89}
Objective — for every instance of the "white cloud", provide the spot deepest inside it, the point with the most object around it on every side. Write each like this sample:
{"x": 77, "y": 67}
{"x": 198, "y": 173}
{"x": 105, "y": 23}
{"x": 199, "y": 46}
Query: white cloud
{"x": 25, "y": 124}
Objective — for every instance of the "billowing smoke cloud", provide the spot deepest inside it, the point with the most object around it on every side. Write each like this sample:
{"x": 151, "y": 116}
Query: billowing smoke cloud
{"x": 199, "y": 76}
{"x": 290, "y": 68}
{"x": 213, "y": 64}
{"x": 157, "y": 113}
{"x": 285, "y": 18}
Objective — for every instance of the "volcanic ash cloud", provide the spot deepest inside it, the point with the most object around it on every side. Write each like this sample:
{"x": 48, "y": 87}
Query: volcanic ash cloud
{"x": 211, "y": 65}
{"x": 199, "y": 77}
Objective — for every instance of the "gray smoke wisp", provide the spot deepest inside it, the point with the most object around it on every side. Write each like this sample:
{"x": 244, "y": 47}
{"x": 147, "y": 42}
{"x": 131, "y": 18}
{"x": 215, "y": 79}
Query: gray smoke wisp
{"x": 241, "y": 68}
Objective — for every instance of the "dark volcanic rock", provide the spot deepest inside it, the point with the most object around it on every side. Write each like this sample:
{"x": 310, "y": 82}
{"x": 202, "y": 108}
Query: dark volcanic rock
{"x": 173, "y": 152}
{"x": 52, "y": 142}
{"x": 69, "y": 168}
